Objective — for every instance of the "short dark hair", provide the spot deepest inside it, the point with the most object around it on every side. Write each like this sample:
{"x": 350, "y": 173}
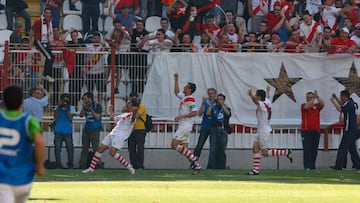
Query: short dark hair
{"x": 134, "y": 102}
{"x": 48, "y": 9}
{"x": 192, "y": 87}
{"x": 164, "y": 19}
{"x": 221, "y": 95}
{"x": 32, "y": 91}
{"x": 13, "y": 97}
{"x": 89, "y": 95}
{"x": 133, "y": 94}
{"x": 96, "y": 34}
{"x": 306, "y": 12}
{"x": 345, "y": 93}
{"x": 63, "y": 95}
{"x": 161, "y": 30}
{"x": 116, "y": 21}
{"x": 212, "y": 89}
{"x": 261, "y": 94}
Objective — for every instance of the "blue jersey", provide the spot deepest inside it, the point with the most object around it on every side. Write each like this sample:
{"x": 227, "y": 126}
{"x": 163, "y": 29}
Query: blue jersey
{"x": 206, "y": 120}
{"x": 17, "y": 164}
{"x": 63, "y": 123}
{"x": 91, "y": 123}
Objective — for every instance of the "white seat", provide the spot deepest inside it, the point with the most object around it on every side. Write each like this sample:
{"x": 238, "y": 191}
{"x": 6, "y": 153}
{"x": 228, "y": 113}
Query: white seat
{"x": 3, "y": 21}
{"x": 241, "y": 19}
{"x": 240, "y": 9}
{"x": 108, "y": 23}
{"x": 106, "y": 11}
{"x": 68, "y": 37}
{"x": 72, "y": 21}
{"x": 1, "y": 57}
{"x": 101, "y": 25}
{"x": 292, "y": 21}
{"x": 4, "y": 36}
{"x": 67, "y": 11}
{"x": 249, "y": 26}
{"x": 152, "y": 23}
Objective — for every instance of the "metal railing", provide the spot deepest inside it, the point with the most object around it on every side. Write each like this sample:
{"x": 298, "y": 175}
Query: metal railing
{"x": 240, "y": 138}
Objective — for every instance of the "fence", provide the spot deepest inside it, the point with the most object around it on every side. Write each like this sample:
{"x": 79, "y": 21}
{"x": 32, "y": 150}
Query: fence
{"x": 240, "y": 138}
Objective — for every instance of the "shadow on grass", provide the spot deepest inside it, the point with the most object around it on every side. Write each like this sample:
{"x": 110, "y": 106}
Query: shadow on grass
{"x": 281, "y": 176}
{"x": 44, "y": 199}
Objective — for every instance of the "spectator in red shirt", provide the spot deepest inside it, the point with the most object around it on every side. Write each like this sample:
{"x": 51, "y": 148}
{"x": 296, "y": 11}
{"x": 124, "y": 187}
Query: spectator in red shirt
{"x": 310, "y": 128}
{"x": 277, "y": 21}
{"x": 341, "y": 44}
{"x": 295, "y": 44}
{"x": 210, "y": 26}
{"x": 43, "y": 35}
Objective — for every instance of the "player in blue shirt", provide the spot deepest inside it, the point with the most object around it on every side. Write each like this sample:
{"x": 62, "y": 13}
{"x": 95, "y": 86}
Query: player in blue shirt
{"x": 19, "y": 159}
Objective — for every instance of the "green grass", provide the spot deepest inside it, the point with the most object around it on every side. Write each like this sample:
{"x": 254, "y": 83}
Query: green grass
{"x": 211, "y": 186}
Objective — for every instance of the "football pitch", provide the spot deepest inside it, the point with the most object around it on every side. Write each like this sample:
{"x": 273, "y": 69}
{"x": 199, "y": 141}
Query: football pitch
{"x": 179, "y": 186}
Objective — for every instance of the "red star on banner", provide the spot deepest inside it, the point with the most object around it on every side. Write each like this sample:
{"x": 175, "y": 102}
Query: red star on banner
{"x": 283, "y": 84}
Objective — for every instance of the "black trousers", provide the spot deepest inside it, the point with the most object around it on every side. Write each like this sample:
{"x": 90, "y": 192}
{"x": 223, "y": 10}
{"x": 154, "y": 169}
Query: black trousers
{"x": 136, "y": 143}
{"x": 310, "y": 141}
{"x": 45, "y": 50}
{"x": 204, "y": 134}
{"x": 348, "y": 143}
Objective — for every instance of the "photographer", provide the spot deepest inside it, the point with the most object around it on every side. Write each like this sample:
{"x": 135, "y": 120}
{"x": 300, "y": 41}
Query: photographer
{"x": 220, "y": 114}
{"x": 63, "y": 130}
{"x": 91, "y": 133}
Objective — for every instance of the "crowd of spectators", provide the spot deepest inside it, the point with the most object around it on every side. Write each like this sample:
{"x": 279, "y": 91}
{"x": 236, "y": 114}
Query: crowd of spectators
{"x": 331, "y": 26}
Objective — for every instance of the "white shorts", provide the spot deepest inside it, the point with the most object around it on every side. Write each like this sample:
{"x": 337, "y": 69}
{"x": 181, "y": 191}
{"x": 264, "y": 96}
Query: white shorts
{"x": 115, "y": 141}
{"x": 10, "y": 193}
{"x": 182, "y": 135}
{"x": 263, "y": 138}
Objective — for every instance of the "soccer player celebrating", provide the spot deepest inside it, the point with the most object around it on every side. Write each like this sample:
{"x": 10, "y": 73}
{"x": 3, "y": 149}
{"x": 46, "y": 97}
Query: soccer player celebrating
{"x": 19, "y": 158}
{"x": 187, "y": 110}
{"x": 262, "y": 138}
{"x": 116, "y": 138}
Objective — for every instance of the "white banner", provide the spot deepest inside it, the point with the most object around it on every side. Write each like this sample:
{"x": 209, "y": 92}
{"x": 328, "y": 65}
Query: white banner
{"x": 290, "y": 76}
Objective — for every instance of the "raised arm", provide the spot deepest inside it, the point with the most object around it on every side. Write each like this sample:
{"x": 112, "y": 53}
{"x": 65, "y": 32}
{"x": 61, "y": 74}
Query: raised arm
{"x": 176, "y": 84}
{"x": 253, "y": 97}
{"x": 321, "y": 101}
{"x": 336, "y": 102}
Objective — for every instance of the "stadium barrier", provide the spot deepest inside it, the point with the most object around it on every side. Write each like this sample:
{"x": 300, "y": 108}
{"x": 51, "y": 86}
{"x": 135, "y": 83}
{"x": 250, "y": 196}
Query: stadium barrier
{"x": 240, "y": 138}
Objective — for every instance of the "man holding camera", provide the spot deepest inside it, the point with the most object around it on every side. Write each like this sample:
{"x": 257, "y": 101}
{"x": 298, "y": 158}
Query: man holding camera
{"x": 91, "y": 133}
{"x": 220, "y": 114}
{"x": 63, "y": 130}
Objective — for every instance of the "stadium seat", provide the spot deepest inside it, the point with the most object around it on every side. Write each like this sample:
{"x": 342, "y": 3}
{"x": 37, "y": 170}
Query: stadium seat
{"x": 108, "y": 23}
{"x": 3, "y": 2}
{"x": 241, "y": 19}
{"x": 101, "y": 25}
{"x": 3, "y": 21}
{"x": 152, "y": 23}
{"x": 4, "y": 35}
{"x": 106, "y": 11}
{"x": 1, "y": 57}
{"x": 249, "y": 26}
{"x": 292, "y": 21}
{"x": 240, "y": 8}
{"x": 72, "y": 21}
{"x": 67, "y": 11}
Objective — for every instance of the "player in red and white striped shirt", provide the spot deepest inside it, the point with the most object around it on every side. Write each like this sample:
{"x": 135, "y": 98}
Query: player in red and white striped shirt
{"x": 116, "y": 138}
{"x": 187, "y": 110}
{"x": 262, "y": 138}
